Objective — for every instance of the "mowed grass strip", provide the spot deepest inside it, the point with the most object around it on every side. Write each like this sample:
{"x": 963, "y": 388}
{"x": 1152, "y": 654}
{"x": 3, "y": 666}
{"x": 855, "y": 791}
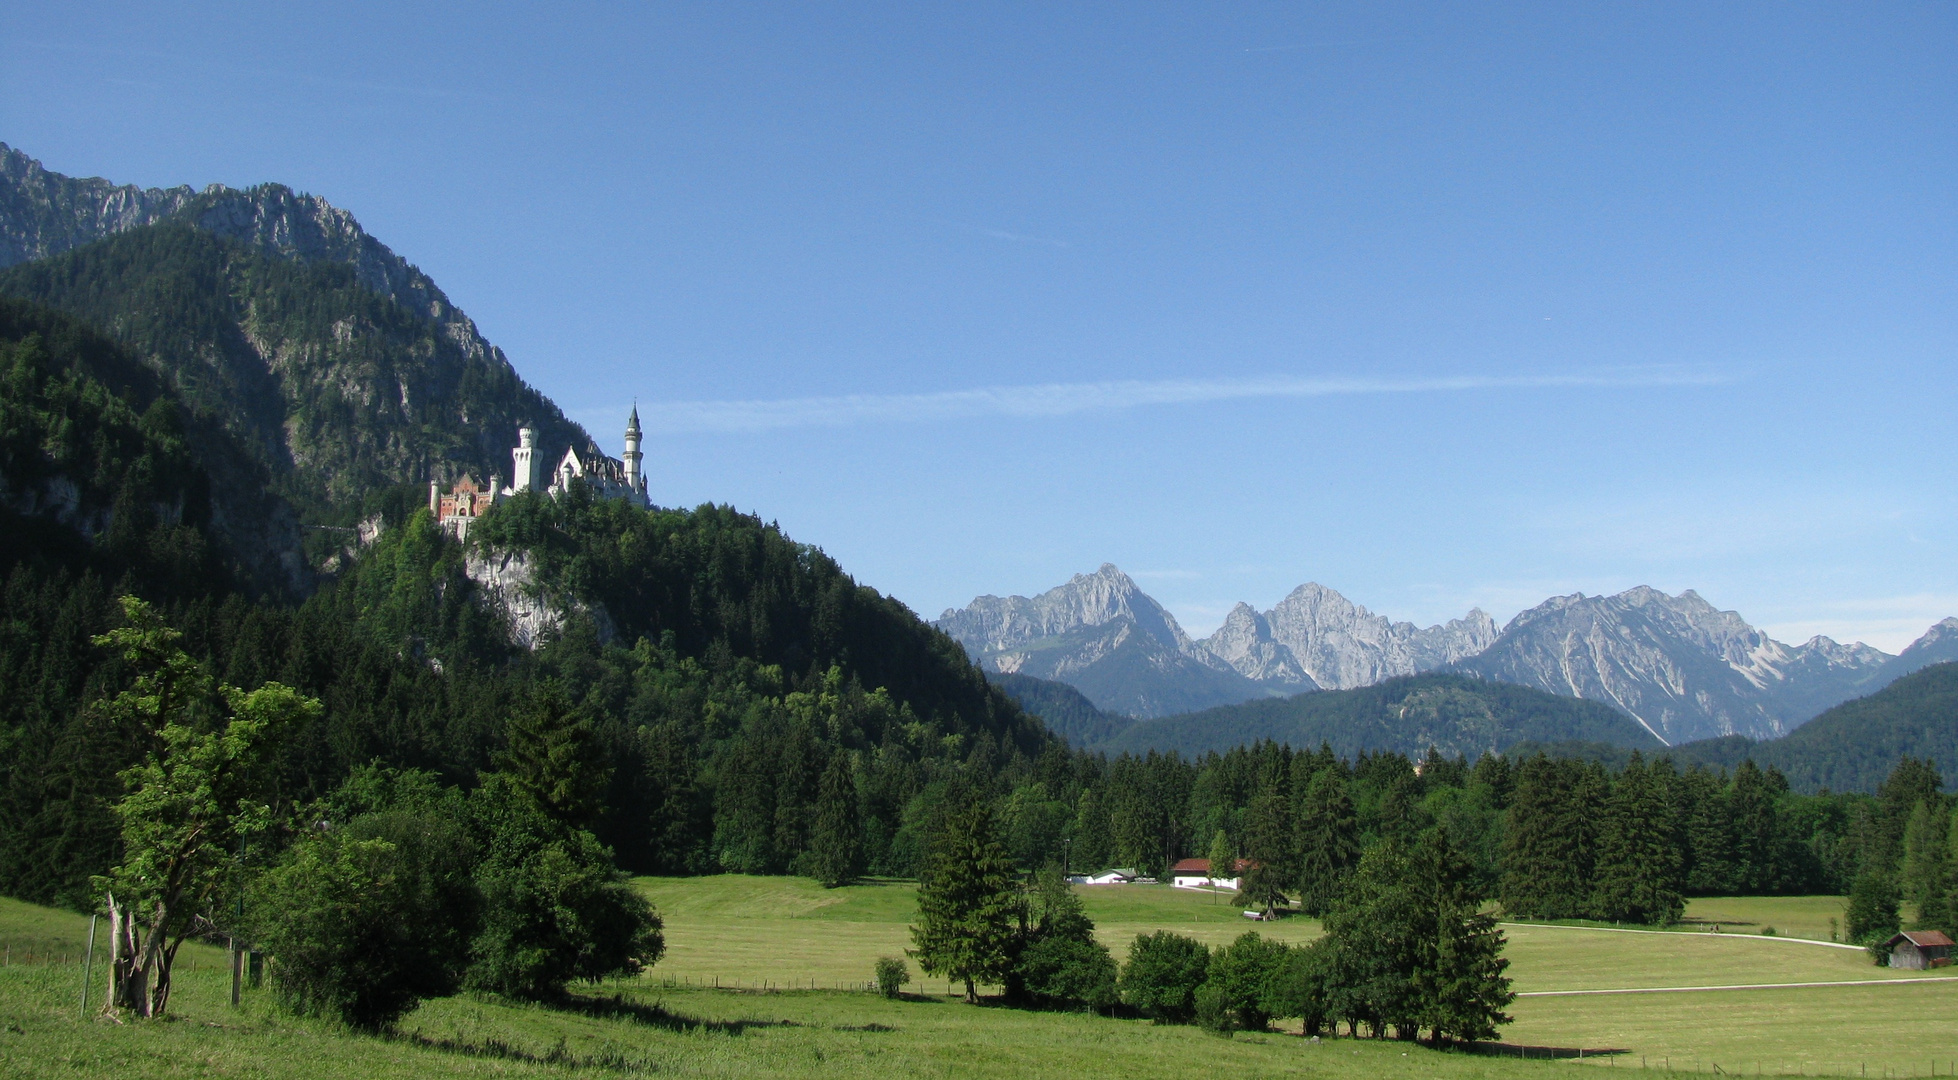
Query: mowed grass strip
{"x": 1577, "y": 958}
{"x": 1833, "y": 1030}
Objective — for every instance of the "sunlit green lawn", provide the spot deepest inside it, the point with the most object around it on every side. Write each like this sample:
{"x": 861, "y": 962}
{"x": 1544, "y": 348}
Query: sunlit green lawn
{"x": 788, "y": 931}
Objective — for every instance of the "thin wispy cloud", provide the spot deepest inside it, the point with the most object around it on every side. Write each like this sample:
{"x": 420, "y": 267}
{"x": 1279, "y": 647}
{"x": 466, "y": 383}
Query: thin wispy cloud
{"x": 1045, "y": 400}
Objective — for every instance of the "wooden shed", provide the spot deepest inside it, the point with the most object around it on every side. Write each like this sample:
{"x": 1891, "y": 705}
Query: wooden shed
{"x": 1920, "y": 949}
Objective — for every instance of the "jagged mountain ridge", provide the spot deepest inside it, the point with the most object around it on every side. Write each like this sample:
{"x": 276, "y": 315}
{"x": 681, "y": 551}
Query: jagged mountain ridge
{"x": 1679, "y": 667}
{"x": 1104, "y": 636}
{"x": 344, "y": 365}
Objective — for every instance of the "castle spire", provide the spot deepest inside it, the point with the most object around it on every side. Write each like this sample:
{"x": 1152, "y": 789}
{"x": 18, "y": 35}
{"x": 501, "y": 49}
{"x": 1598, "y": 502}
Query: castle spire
{"x": 635, "y": 478}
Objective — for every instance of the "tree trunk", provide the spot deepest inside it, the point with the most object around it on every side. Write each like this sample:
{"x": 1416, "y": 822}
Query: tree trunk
{"x": 971, "y": 993}
{"x": 128, "y": 961}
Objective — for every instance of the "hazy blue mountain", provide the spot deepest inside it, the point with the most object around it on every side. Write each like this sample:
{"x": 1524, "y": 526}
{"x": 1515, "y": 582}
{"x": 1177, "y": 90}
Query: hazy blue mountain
{"x": 1067, "y": 712}
{"x": 1410, "y": 713}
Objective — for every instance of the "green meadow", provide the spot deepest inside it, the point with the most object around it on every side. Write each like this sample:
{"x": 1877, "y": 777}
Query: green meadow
{"x": 785, "y": 933}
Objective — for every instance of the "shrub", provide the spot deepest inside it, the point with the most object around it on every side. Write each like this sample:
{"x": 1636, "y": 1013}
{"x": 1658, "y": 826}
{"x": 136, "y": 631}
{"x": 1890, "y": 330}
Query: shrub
{"x": 1241, "y": 971}
{"x": 892, "y": 976}
{"x": 1162, "y": 975}
{"x": 368, "y": 920}
{"x": 554, "y": 909}
{"x": 1213, "y": 1010}
{"x": 1298, "y": 987}
{"x": 1068, "y": 971}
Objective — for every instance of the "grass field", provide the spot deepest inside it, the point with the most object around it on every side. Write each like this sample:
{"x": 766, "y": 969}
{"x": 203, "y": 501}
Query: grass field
{"x": 787, "y": 932}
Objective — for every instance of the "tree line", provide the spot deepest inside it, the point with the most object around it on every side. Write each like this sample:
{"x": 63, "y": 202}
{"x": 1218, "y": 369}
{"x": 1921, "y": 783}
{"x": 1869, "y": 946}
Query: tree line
{"x": 1407, "y": 947}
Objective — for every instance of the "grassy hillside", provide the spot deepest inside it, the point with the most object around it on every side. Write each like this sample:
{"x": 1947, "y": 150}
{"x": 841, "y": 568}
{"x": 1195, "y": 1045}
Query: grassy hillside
{"x": 1454, "y": 714}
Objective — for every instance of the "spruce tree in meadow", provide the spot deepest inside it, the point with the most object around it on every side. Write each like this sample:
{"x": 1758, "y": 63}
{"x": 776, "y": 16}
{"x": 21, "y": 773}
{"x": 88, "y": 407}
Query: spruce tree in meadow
{"x": 968, "y": 906}
{"x": 553, "y": 756}
{"x": 1222, "y": 857}
{"x": 1872, "y": 912}
{"x": 1267, "y": 853}
{"x": 836, "y": 839}
{"x": 1329, "y": 842}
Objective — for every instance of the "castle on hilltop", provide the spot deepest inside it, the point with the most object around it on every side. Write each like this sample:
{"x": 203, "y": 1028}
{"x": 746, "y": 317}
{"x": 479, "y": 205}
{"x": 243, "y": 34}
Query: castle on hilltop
{"x": 608, "y": 477}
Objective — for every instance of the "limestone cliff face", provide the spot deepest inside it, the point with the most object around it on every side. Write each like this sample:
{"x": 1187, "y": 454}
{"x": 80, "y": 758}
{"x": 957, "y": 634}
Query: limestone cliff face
{"x": 1107, "y": 638}
{"x": 1342, "y": 645}
{"x": 533, "y": 613}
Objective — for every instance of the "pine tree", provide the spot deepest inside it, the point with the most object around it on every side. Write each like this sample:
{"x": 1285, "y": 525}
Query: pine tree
{"x": 1547, "y": 848}
{"x": 968, "y": 908}
{"x": 1267, "y": 853}
{"x": 836, "y": 839}
{"x": 1223, "y": 858}
{"x": 553, "y": 756}
{"x": 1923, "y": 877}
{"x": 1329, "y": 842}
{"x": 1638, "y": 869}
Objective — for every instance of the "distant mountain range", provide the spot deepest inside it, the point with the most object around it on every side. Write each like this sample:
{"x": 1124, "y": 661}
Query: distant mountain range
{"x": 1680, "y": 668}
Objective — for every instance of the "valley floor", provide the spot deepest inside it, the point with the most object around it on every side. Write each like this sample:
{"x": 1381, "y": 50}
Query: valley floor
{"x": 785, "y": 933}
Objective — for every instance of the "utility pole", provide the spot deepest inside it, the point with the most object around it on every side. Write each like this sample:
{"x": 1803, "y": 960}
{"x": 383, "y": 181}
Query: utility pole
{"x": 1067, "y": 849}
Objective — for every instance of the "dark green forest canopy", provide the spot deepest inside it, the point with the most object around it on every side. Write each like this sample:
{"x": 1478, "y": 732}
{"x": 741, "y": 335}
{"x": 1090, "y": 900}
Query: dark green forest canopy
{"x": 1455, "y": 714}
{"x": 1855, "y": 745}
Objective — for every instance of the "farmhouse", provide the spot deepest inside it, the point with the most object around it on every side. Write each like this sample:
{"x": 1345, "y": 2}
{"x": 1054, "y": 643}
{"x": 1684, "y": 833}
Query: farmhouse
{"x": 1195, "y": 874}
{"x": 1919, "y": 949}
{"x": 1121, "y": 875}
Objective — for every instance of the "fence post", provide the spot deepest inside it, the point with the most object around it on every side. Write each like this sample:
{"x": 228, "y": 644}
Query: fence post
{"x": 88, "y": 965}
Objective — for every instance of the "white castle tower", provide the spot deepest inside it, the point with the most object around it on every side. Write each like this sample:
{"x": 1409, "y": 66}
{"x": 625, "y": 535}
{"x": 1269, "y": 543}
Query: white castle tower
{"x": 635, "y": 479}
{"x": 524, "y": 457}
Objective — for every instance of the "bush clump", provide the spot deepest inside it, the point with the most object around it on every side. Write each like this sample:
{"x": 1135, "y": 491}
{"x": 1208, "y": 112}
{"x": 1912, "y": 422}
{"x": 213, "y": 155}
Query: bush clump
{"x": 892, "y": 976}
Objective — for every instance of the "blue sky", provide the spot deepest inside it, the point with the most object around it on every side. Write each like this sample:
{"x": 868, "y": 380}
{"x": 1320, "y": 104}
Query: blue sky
{"x": 1439, "y": 305}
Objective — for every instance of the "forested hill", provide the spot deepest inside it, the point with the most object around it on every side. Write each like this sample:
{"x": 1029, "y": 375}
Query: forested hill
{"x": 336, "y": 390}
{"x": 1855, "y": 745}
{"x": 1454, "y": 714}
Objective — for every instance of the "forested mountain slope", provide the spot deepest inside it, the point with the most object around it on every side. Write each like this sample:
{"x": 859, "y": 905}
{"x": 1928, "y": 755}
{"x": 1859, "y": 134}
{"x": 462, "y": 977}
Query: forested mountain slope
{"x": 334, "y": 388}
{"x": 1853, "y": 746}
{"x": 102, "y": 467}
{"x": 1067, "y": 712}
{"x": 1453, "y": 714}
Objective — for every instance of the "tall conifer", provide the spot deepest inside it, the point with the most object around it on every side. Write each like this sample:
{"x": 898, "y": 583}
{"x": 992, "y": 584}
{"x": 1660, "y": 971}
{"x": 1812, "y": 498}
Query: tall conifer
{"x": 1329, "y": 842}
{"x": 968, "y": 907}
{"x": 836, "y": 838}
{"x": 1638, "y": 865}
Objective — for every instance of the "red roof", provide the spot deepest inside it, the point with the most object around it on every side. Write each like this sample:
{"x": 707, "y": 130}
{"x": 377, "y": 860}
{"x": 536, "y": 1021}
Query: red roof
{"x": 1200, "y": 866}
{"x": 1926, "y": 938}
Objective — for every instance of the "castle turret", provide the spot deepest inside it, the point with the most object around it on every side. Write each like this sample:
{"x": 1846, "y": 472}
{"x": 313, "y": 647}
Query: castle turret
{"x": 524, "y": 457}
{"x": 635, "y": 480}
